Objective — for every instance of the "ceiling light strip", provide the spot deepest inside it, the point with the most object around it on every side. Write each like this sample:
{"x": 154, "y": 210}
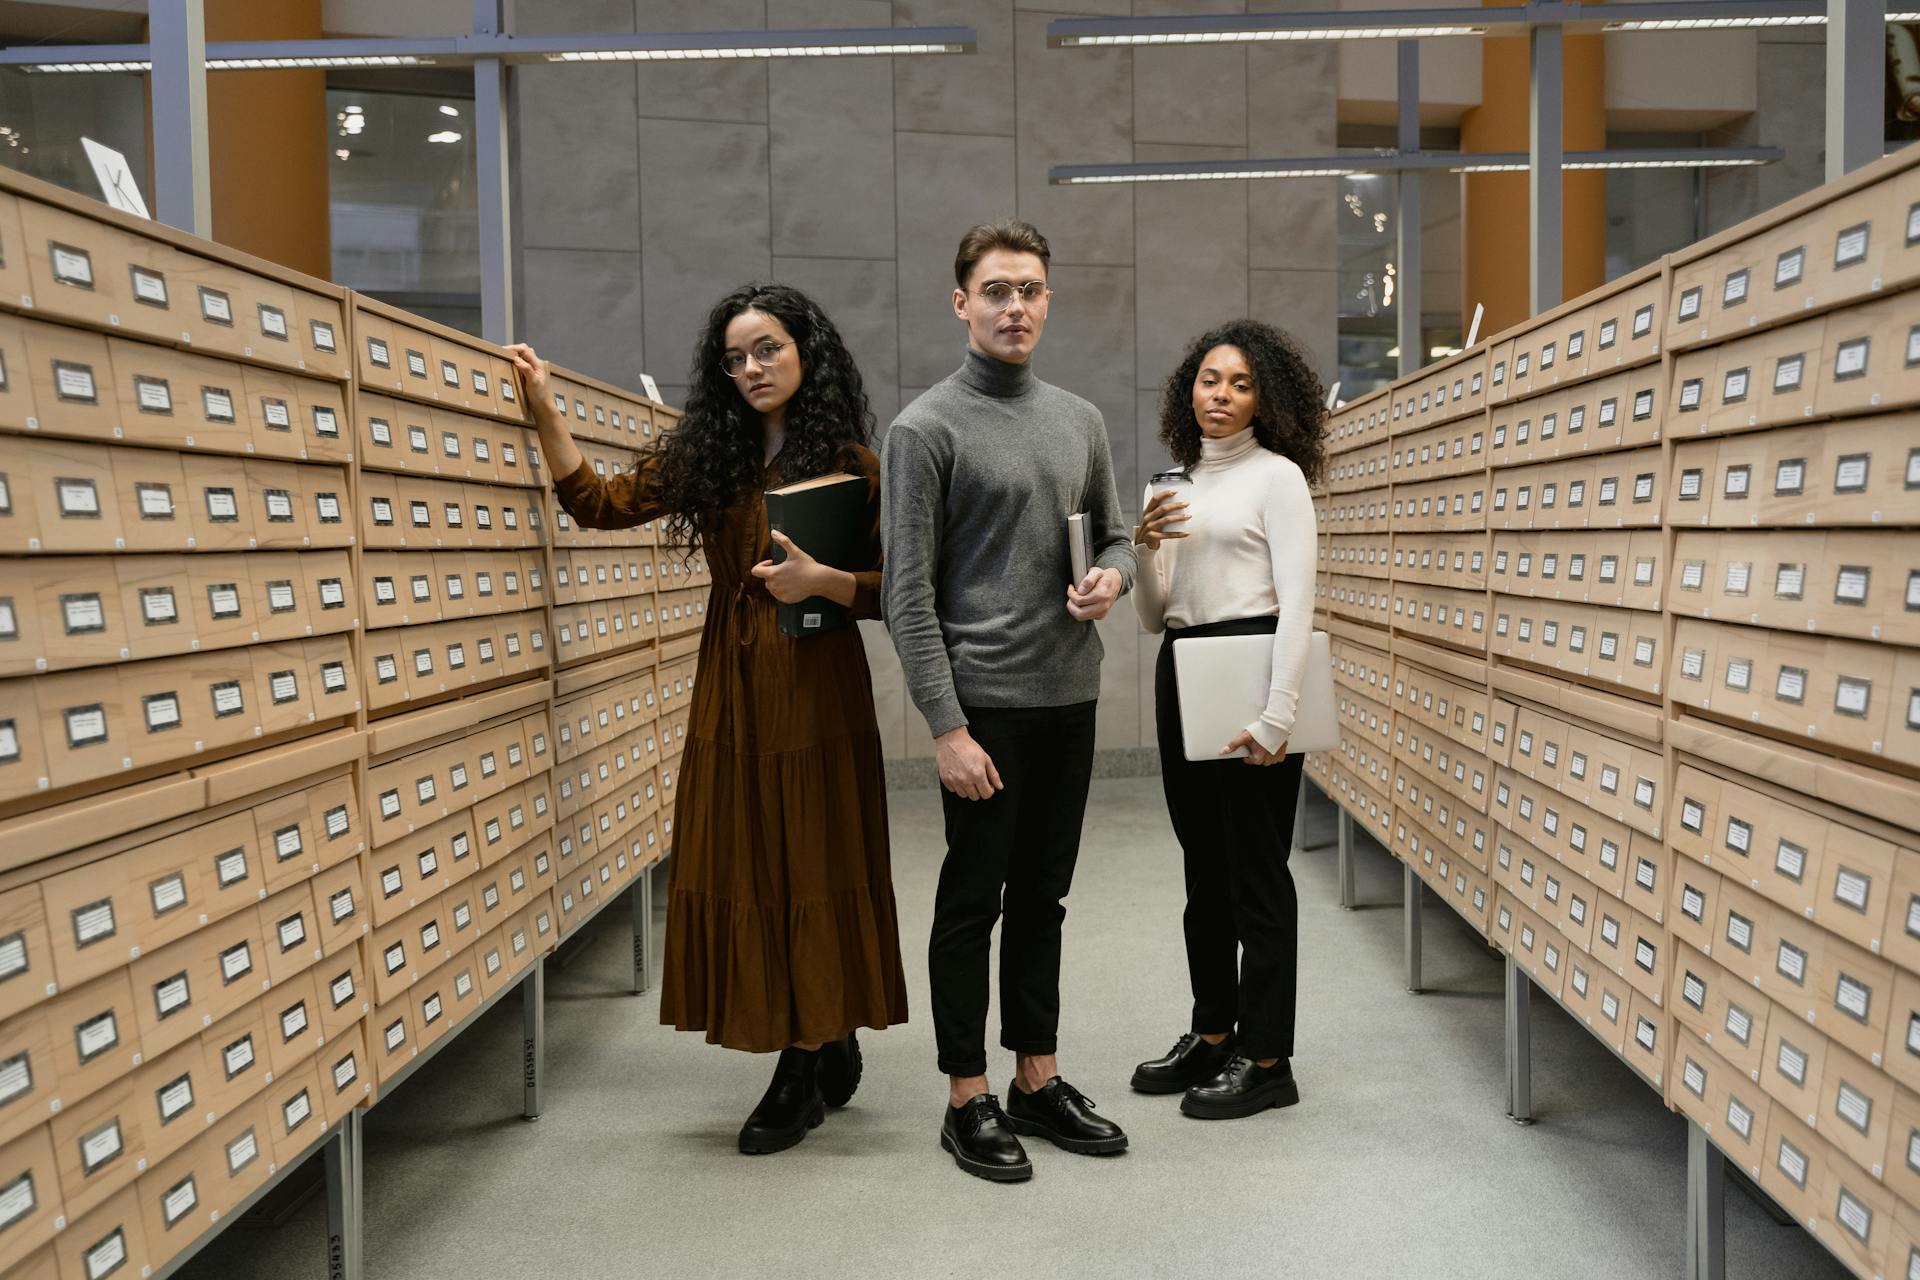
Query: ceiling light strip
{"x": 713, "y": 54}
{"x": 1388, "y": 162}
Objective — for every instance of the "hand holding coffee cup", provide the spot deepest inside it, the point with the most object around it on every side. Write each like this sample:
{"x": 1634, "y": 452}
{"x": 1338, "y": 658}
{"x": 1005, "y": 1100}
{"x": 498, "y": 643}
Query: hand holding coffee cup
{"x": 1164, "y": 513}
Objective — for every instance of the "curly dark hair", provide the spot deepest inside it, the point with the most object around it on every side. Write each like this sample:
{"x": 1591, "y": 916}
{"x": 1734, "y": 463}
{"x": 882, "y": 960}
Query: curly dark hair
{"x": 711, "y": 460}
{"x": 1290, "y": 407}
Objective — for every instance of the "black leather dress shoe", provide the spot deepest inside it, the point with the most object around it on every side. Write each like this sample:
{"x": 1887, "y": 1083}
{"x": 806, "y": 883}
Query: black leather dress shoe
{"x": 981, "y": 1142}
{"x": 840, "y": 1067}
{"x": 791, "y": 1105}
{"x": 1063, "y": 1116}
{"x": 1191, "y": 1061}
{"x": 1243, "y": 1089}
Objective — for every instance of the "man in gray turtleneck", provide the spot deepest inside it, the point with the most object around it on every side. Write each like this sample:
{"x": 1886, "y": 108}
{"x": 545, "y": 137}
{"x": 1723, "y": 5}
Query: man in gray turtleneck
{"x": 1001, "y": 656}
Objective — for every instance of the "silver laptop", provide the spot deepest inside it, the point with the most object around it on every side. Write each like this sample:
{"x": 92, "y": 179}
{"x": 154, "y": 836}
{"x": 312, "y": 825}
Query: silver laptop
{"x": 1224, "y": 682}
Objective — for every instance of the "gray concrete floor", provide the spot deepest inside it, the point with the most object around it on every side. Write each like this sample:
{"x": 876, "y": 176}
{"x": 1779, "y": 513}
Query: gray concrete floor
{"x": 1398, "y": 1162}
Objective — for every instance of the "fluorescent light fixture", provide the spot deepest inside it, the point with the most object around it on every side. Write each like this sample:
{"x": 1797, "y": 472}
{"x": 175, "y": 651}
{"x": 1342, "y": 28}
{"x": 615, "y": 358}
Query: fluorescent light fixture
{"x": 447, "y": 109}
{"x": 723, "y": 46}
{"x": 1707, "y": 23}
{"x": 1261, "y": 28}
{"x": 1202, "y": 175}
{"x": 1678, "y": 158}
{"x": 447, "y": 135}
{"x": 1437, "y": 23}
{"x": 248, "y": 64}
{"x": 1368, "y": 165}
{"x": 346, "y": 51}
{"x": 1430, "y": 31}
{"x": 718, "y": 54}
{"x": 70, "y": 67}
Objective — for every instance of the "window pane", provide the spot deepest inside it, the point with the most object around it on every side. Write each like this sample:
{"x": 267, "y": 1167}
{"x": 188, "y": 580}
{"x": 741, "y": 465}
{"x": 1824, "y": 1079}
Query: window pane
{"x": 405, "y": 216}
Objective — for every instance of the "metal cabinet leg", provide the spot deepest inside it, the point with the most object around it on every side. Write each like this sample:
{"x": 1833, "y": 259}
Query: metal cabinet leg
{"x": 345, "y": 1202}
{"x": 1519, "y": 1044}
{"x": 642, "y": 897}
{"x": 533, "y": 1021}
{"x": 1415, "y": 903}
{"x": 1346, "y": 860}
{"x": 1706, "y": 1207}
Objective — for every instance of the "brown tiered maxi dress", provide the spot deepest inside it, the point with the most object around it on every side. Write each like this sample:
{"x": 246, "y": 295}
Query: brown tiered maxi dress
{"x": 780, "y": 912}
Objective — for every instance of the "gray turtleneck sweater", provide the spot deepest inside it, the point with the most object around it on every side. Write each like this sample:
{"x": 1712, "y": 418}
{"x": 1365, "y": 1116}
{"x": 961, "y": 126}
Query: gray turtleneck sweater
{"x": 979, "y": 476}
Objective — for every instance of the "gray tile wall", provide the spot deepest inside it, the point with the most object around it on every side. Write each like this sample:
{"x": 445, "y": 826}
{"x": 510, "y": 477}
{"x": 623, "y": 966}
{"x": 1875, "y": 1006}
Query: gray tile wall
{"x": 645, "y": 192}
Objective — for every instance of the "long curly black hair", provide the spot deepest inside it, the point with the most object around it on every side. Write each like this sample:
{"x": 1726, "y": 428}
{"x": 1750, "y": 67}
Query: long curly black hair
{"x": 711, "y": 460}
{"x": 1290, "y": 402}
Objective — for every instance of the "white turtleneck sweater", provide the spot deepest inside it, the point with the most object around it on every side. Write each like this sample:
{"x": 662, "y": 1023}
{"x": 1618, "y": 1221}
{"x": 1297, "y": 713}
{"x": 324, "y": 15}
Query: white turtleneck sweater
{"x": 1248, "y": 553}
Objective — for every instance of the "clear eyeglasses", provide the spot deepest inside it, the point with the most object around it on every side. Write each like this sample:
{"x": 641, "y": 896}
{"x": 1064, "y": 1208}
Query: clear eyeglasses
{"x": 1000, "y": 293}
{"x": 733, "y": 364}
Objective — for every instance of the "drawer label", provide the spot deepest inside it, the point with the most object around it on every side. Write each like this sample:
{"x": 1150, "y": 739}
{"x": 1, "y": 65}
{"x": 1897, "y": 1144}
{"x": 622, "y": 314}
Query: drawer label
{"x": 78, "y": 497}
{"x": 106, "y": 1256}
{"x": 1739, "y": 931}
{"x": 230, "y": 867}
{"x": 228, "y": 699}
{"x": 153, "y": 394}
{"x": 180, "y": 1201}
{"x": 93, "y": 922}
{"x": 1851, "y": 995}
{"x": 71, "y": 266}
{"x": 101, "y": 1146}
{"x": 157, "y": 605}
{"x": 242, "y": 1151}
{"x": 236, "y": 962}
{"x": 293, "y": 1021}
{"x": 172, "y": 995}
{"x": 86, "y": 725}
{"x": 149, "y": 287}
{"x": 1854, "y": 1107}
{"x": 16, "y": 1077}
{"x": 238, "y": 1056}
{"x": 1791, "y": 963}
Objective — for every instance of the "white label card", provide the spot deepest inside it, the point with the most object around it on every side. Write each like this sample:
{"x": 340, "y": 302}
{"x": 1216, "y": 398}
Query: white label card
{"x": 293, "y": 1021}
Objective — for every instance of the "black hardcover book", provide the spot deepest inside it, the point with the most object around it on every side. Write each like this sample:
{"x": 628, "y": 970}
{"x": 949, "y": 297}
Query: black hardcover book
{"x": 826, "y": 517}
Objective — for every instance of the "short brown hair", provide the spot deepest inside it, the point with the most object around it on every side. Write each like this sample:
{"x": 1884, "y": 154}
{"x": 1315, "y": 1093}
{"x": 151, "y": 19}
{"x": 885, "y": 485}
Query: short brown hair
{"x": 1010, "y": 234}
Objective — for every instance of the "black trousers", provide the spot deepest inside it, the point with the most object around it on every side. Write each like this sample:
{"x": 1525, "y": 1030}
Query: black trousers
{"x": 1234, "y": 822}
{"x": 1009, "y": 858}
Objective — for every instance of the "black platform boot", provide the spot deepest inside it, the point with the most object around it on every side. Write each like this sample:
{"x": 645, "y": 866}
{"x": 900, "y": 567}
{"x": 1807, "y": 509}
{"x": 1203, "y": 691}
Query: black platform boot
{"x": 840, "y": 1069}
{"x": 791, "y": 1105}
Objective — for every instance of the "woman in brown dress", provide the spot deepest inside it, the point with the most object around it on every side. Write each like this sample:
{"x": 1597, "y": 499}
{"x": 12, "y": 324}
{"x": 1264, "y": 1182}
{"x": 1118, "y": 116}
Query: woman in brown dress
{"x": 781, "y": 933}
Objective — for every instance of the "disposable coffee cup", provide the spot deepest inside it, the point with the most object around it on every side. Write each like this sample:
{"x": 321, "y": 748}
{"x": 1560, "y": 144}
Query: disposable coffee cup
{"x": 1182, "y": 485}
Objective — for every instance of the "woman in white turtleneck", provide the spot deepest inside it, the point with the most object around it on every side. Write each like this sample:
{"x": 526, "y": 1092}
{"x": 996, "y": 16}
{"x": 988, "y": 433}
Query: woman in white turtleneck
{"x": 1234, "y": 555}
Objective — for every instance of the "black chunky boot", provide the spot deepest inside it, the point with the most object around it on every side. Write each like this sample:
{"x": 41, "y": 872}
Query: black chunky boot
{"x": 840, "y": 1068}
{"x": 791, "y": 1105}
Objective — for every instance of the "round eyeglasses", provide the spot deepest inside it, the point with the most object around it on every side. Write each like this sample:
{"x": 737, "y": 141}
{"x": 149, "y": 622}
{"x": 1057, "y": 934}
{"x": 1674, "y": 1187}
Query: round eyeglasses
{"x": 733, "y": 363}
